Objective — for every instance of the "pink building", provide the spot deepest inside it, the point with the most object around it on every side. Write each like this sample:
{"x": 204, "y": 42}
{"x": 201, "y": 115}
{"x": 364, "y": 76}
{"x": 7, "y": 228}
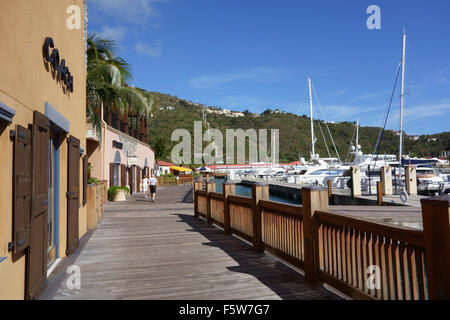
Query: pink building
{"x": 120, "y": 159}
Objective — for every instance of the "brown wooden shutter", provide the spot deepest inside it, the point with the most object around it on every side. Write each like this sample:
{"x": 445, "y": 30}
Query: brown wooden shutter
{"x": 111, "y": 174}
{"x": 138, "y": 179}
{"x": 36, "y": 274}
{"x": 85, "y": 179}
{"x": 73, "y": 194}
{"x": 123, "y": 175}
{"x": 22, "y": 178}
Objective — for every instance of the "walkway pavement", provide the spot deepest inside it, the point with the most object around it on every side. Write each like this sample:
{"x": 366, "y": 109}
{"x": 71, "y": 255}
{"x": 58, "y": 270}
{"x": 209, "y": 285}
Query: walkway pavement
{"x": 144, "y": 250}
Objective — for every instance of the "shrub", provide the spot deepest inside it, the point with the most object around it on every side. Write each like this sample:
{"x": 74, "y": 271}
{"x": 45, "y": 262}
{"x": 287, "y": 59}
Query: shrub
{"x": 112, "y": 191}
{"x": 94, "y": 181}
{"x": 169, "y": 175}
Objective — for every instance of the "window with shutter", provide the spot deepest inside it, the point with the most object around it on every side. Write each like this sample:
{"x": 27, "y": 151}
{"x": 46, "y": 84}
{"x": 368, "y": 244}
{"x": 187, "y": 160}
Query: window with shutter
{"x": 22, "y": 179}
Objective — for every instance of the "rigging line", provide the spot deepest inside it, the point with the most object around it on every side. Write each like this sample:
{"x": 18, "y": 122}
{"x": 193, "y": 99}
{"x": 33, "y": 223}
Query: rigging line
{"x": 381, "y": 134}
{"x": 295, "y": 122}
{"x": 387, "y": 110}
{"x": 326, "y": 123}
{"x": 350, "y": 146}
{"x": 324, "y": 140}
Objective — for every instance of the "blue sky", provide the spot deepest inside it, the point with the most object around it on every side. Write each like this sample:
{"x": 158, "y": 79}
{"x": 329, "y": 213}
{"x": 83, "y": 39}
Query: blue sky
{"x": 257, "y": 54}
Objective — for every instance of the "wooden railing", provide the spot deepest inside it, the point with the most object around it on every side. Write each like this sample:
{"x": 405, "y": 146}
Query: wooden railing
{"x": 173, "y": 181}
{"x": 360, "y": 258}
{"x": 241, "y": 216}
{"x": 282, "y": 230}
{"x": 347, "y": 247}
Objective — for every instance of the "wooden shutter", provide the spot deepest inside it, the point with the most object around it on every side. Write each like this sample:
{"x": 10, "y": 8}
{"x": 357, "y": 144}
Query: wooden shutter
{"x": 73, "y": 194}
{"x": 111, "y": 174}
{"x": 85, "y": 179}
{"x": 36, "y": 274}
{"x": 123, "y": 175}
{"x": 138, "y": 179}
{"x": 22, "y": 177}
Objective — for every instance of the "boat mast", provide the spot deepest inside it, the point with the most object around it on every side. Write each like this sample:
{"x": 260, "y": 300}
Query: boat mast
{"x": 402, "y": 99}
{"x": 313, "y": 153}
{"x": 357, "y": 135}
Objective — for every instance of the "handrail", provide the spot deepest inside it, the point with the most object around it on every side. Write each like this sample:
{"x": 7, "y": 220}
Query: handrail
{"x": 201, "y": 193}
{"x": 216, "y": 196}
{"x": 240, "y": 200}
{"x": 398, "y": 233}
{"x": 284, "y": 208}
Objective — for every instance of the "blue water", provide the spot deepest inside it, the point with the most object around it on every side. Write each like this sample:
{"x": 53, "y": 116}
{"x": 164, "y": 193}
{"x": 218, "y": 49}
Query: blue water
{"x": 246, "y": 191}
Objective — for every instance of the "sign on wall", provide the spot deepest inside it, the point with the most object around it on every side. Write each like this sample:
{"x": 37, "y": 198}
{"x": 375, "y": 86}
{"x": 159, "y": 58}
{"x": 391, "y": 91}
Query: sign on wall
{"x": 132, "y": 161}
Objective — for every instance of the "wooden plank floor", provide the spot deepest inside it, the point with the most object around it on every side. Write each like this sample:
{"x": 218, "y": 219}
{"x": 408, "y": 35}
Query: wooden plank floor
{"x": 144, "y": 250}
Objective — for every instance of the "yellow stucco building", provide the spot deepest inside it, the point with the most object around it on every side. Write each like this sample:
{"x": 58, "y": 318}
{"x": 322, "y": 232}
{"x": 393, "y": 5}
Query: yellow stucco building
{"x": 42, "y": 140}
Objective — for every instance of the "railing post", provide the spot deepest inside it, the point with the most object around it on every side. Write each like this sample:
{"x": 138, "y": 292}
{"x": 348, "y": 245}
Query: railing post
{"x": 386, "y": 179}
{"x": 380, "y": 193}
{"x": 210, "y": 187}
{"x": 197, "y": 186}
{"x": 330, "y": 188}
{"x": 229, "y": 188}
{"x": 411, "y": 179}
{"x": 356, "y": 181}
{"x": 436, "y": 229}
{"x": 260, "y": 191}
{"x": 313, "y": 198}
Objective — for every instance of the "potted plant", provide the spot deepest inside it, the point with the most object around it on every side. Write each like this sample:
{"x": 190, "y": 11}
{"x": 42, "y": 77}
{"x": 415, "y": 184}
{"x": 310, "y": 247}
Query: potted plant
{"x": 117, "y": 193}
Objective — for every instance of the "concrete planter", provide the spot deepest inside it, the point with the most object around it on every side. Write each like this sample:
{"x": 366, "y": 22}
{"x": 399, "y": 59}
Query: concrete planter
{"x": 120, "y": 196}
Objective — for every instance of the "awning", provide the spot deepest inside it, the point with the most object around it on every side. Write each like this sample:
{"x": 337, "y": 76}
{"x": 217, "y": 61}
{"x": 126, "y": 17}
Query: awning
{"x": 180, "y": 169}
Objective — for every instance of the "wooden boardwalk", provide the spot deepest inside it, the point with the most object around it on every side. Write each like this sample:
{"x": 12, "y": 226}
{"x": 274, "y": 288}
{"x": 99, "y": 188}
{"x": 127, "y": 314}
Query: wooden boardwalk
{"x": 144, "y": 250}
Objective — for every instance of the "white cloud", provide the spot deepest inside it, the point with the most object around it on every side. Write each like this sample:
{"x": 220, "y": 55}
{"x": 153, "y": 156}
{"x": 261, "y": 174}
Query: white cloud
{"x": 374, "y": 95}
{"x": 135, "y": 11}
{"x": 151, "y": 51}
{"x": 114, "y": 33}
{"x": 262, "y": 74}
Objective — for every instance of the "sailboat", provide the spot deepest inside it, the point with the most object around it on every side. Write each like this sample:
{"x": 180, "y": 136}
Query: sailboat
{"x": 319, "y": 170}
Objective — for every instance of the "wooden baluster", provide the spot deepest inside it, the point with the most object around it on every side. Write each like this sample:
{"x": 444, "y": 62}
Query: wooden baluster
{"x": 358, "y": 259}
{"x": 348, "y": 260}
{"x": 420, "y": 272}
{"x": 413, "y": 272}
{"x": 391, "y": 269}
{"x": 384, "y": 268}
{"x": 376, "y": 262}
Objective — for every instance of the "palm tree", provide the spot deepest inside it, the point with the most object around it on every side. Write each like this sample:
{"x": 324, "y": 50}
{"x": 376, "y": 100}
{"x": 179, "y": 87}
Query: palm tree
{"x": 106, "y": 84}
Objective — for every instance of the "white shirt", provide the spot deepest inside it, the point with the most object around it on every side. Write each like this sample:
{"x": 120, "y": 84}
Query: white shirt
{"x": 153, "y": 181}
{"x": 145, "y": 183}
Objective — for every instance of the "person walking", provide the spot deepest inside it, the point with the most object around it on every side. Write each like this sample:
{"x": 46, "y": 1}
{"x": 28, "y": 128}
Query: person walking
{"x": 153, "y": 181}
{"x": 145, "y": 184}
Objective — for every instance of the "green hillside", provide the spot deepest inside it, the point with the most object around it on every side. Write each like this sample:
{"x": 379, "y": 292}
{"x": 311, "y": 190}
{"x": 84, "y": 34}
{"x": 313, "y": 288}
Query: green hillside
{"x": 295, "y": 138}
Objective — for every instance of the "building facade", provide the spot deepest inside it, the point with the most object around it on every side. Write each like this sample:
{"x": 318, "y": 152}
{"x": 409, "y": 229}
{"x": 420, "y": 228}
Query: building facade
{"x": 42, "y": 140}
{"x": 123, "y": 157}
